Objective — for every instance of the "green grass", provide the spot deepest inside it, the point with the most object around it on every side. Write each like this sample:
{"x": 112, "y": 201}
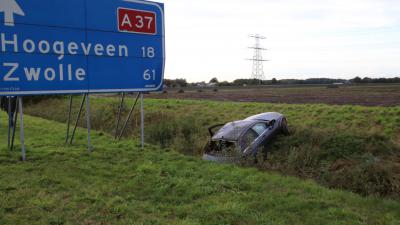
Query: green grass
{"x": 120, "y": 184}
{"x": 348, "y": 147}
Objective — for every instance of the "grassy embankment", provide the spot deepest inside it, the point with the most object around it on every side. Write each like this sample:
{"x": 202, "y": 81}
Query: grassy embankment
{"x": 349, "y": 147}
{"x": 120, "y": 184}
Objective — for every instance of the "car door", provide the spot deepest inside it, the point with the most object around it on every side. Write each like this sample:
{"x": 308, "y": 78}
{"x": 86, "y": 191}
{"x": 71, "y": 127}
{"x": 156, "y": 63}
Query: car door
{"x": 252, "y": 137}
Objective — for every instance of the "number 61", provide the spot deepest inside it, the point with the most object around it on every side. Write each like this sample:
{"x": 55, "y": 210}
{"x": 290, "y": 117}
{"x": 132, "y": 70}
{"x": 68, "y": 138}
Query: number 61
{"x": 149, "y": 75}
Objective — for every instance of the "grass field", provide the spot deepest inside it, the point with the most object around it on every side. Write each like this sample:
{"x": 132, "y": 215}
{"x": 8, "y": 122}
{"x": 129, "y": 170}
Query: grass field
{"x": 120, "y": 184}
{"x": 367, "y": 95}
{"x": 354, "y": 148}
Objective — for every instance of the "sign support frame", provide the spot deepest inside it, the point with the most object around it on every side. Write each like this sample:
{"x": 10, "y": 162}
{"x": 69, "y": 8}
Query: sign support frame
{"x": 22, "y": 131}
{"x": 69, "y": 119}
{"x": 119, "y": 115}
{"x": 142, "y": 120}
{"x": 15, "y": 123}
{"x": 129, "y": 116}
{"x": 9, "y": 123}
{"x": 88, "y": 123}
{"x": 77, "y": 119}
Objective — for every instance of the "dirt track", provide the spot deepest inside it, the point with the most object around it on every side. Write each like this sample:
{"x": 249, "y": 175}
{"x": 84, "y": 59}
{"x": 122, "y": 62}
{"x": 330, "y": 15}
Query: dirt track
{"x": 382, "y": 95}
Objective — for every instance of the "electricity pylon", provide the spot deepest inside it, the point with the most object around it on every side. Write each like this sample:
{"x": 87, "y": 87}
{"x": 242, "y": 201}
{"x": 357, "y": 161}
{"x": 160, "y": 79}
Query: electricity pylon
{"x": 258, "y": 66}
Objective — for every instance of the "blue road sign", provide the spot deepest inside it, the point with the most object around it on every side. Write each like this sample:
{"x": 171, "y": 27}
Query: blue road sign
{"x": 81, "y": 46}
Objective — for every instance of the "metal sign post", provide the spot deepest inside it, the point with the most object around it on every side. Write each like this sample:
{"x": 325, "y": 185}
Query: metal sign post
{"x": 88, "y": 122}
{"x": 129, "y": 117}
{"x": 141, "y": 120}
{"x": 15, "y": 123}
{"x": 119, "y": 115}
{"x": 77, "y": 119}
{"x": 69, "y": 118}
{"x": 22, "y": 131}
{"x": 9, "y": 122}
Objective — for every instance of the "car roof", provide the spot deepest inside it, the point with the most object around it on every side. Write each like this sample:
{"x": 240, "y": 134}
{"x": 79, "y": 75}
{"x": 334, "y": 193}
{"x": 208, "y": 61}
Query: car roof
{"x": 265, "y": 116}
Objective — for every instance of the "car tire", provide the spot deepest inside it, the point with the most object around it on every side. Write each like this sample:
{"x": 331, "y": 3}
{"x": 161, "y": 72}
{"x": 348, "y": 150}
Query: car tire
{"x": 284, "y": 127}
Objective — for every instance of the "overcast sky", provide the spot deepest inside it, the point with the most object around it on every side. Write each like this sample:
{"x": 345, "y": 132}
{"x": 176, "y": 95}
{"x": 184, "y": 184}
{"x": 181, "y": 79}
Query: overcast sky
{"x": 306, "y": 38}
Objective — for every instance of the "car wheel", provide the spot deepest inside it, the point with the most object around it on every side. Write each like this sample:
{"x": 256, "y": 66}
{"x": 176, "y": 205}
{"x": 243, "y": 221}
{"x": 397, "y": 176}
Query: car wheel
{"x": 284, "y": 127}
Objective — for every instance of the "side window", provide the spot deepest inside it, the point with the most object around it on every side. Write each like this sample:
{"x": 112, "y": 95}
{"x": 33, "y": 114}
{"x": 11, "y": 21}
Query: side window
{"x": 248, "y": 138}
{"x": 259, "y": 128}
{"x": 253, "y": 133}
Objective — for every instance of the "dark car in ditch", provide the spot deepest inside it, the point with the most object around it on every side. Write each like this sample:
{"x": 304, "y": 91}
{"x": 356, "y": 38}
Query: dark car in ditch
{"x": 243, "y": 139}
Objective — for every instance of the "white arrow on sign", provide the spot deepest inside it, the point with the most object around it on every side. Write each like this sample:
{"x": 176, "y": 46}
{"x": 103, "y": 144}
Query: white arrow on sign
{"x": 10, "y": 7}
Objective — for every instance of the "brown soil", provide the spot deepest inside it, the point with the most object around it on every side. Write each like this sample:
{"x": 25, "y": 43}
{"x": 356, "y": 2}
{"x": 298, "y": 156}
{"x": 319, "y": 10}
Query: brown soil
{"x": 377, "y": 95}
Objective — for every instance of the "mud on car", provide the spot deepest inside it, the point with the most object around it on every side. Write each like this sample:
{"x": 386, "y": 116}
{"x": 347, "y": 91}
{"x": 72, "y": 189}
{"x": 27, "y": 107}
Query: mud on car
{"x": 244, "y": 138}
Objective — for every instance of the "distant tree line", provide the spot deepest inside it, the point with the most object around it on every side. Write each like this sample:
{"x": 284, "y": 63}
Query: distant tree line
{"x": 177, "y": 83}
{"x": 311, "y": 81}
{"x": 367, "y": 80}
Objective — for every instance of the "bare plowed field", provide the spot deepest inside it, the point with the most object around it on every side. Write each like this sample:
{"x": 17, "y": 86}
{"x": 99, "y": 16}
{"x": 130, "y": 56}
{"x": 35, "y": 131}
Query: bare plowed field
{"x": 382, "y": 95}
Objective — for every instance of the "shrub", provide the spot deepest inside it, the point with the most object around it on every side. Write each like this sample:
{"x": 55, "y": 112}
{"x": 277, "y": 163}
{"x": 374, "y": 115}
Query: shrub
{"x": 189, "y": 129}
{"x": 161, "y": 133}
{"x": 30, "y": 100}
{"x": 368, "y": 176}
